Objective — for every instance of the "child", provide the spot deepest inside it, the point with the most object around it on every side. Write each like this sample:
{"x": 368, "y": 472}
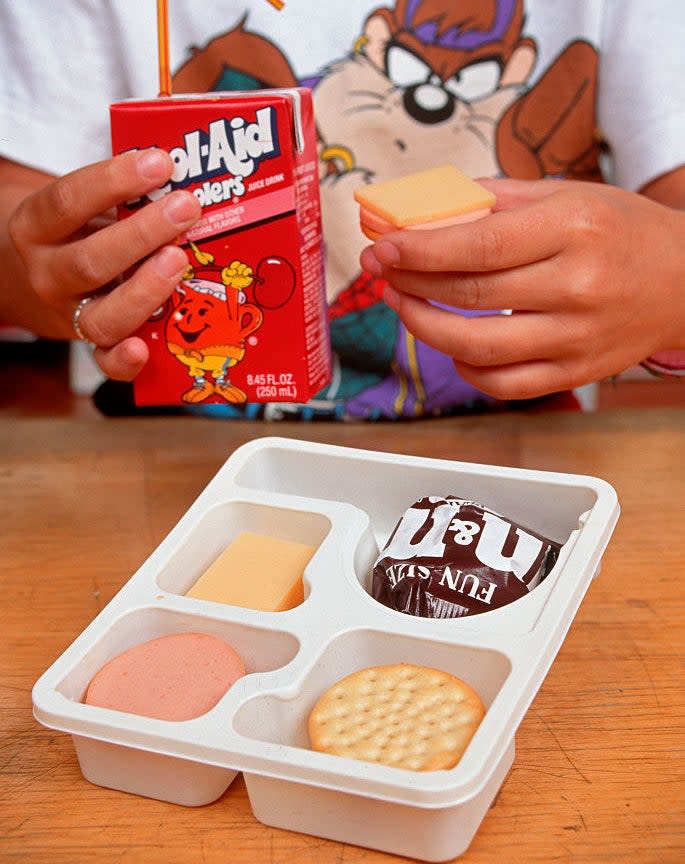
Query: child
{"x": 522, "y": 89}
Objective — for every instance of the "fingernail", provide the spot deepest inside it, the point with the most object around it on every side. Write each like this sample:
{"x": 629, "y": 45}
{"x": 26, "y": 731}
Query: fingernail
{"x": 181, "y": 208}
{"x": 153, "y": 165}
{"x": 170, "y": 261}
{"x": 387, "y": 253}
{"x": 391, "y": 298}
{"x": 369, "y": 262}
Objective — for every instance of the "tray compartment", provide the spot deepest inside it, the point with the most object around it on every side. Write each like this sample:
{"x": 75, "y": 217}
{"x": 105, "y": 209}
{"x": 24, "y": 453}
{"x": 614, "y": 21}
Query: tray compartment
{"x": 262, "y": 649}
{"x": 222, "y": 523}
{"x": 105, "y": 761}
{"x": 152, "y": 775}
{"x": 424, "y": 833}
{"x": 516, "y": 618}
{"x": 279, "y": 719}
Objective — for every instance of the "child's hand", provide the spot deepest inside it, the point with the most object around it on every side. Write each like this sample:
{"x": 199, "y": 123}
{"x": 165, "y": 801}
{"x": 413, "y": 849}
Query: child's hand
{"x": 70, "y": 252}
{"x": 594, "y": 275}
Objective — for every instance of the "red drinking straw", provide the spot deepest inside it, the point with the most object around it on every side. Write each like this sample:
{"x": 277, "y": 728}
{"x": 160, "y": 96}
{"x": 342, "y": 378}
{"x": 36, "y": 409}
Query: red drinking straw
{"x": 163, "y": 48}
{"x": 163, "y": 43}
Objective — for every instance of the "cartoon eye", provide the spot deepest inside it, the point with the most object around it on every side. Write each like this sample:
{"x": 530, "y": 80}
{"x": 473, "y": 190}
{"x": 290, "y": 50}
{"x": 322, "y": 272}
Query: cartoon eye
{"x": 201, "y": 312}
{"x": 475, "y": 81}
{"x": 183, "y": 310}
{"x": 405, "y": 69}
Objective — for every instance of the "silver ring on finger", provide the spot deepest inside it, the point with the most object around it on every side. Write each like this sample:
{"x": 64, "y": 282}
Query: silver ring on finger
{"x": 76, "y": 318}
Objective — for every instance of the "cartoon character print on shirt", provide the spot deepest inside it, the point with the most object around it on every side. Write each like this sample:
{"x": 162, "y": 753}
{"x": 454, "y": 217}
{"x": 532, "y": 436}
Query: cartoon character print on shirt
{"x": 427, "y": 82}
{"x": 210, "y": 319}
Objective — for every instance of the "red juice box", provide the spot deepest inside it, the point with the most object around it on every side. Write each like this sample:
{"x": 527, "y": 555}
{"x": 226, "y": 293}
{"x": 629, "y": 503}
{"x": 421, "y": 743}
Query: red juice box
{"x": 248, "y": 323}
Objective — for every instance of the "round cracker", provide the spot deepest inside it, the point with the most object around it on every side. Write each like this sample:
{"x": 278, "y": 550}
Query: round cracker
{"x": 401, "y": 715}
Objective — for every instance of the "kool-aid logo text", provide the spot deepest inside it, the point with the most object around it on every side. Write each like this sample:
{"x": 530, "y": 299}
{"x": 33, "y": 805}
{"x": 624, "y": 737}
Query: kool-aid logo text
{"x": 229, "y": 146}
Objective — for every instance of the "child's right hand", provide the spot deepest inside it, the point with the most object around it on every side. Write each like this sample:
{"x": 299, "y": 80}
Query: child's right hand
{"x": 63, "y": 249}
{"x": 593, "y": 273}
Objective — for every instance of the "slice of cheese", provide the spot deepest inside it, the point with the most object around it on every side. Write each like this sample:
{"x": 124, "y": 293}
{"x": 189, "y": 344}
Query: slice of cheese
{"x": 425, "y": 196}
{"x": 256, "y": 571}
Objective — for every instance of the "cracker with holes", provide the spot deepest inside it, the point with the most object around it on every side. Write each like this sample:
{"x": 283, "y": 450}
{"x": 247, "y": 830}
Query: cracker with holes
{"x": 402, "y": 715}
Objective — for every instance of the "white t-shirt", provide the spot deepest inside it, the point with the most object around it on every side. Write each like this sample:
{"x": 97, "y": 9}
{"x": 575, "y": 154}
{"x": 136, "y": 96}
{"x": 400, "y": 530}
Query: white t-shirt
{"x": 523, "y": 88}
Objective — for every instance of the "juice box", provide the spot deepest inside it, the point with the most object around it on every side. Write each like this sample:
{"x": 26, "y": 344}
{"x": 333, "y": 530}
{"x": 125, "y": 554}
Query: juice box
{"x": 249, "y": 321}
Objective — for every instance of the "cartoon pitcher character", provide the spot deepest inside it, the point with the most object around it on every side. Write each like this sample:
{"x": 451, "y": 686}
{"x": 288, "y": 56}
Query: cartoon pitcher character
{"x": 207, "y": 328}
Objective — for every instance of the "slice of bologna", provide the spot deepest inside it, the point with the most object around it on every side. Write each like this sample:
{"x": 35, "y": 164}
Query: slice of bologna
{"x": 174, "y": 677}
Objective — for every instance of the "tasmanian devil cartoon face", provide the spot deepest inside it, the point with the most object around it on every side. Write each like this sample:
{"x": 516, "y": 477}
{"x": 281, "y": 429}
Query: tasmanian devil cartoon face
{"x": 426, "y": 74}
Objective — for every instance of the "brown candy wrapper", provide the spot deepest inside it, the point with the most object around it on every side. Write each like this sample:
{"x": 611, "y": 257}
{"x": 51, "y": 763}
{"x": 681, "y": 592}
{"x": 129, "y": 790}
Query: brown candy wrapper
{"x": 449, "y": 557}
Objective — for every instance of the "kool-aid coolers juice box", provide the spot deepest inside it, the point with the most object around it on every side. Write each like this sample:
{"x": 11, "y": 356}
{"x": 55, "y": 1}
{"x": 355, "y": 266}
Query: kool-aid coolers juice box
{"x": 249, "y": 322}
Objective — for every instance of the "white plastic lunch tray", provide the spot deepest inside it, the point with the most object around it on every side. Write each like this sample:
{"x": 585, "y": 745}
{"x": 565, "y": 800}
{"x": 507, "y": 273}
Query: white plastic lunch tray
{"x": 345, "y": 502}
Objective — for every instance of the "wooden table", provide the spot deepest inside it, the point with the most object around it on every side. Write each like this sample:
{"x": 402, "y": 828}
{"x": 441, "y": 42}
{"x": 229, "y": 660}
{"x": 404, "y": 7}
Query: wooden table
{"x": 598, "y": 775}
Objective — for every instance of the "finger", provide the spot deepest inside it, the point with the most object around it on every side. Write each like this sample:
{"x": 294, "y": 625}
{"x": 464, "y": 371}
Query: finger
{"x": 522, "y": 235}
{"x": 87, "y": 264}
{"x": 523, "y": 288}
{"x": 513, "y": 193}
{"x": 490, "y": 340}
{"x": 125, "y": 360}
{"x": 59, "y": 209}
{"x": 522, "y": 380}
{"x": 110, "y": 318}
{"x": 508, "y": 193}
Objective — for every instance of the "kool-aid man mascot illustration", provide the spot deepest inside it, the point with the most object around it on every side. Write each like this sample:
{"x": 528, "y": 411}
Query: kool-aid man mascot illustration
{"x": 211, "y": 319}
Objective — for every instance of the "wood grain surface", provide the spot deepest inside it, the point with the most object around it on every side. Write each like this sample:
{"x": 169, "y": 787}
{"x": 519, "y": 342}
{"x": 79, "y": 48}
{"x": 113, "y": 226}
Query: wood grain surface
{"x": 599, "y": 769}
